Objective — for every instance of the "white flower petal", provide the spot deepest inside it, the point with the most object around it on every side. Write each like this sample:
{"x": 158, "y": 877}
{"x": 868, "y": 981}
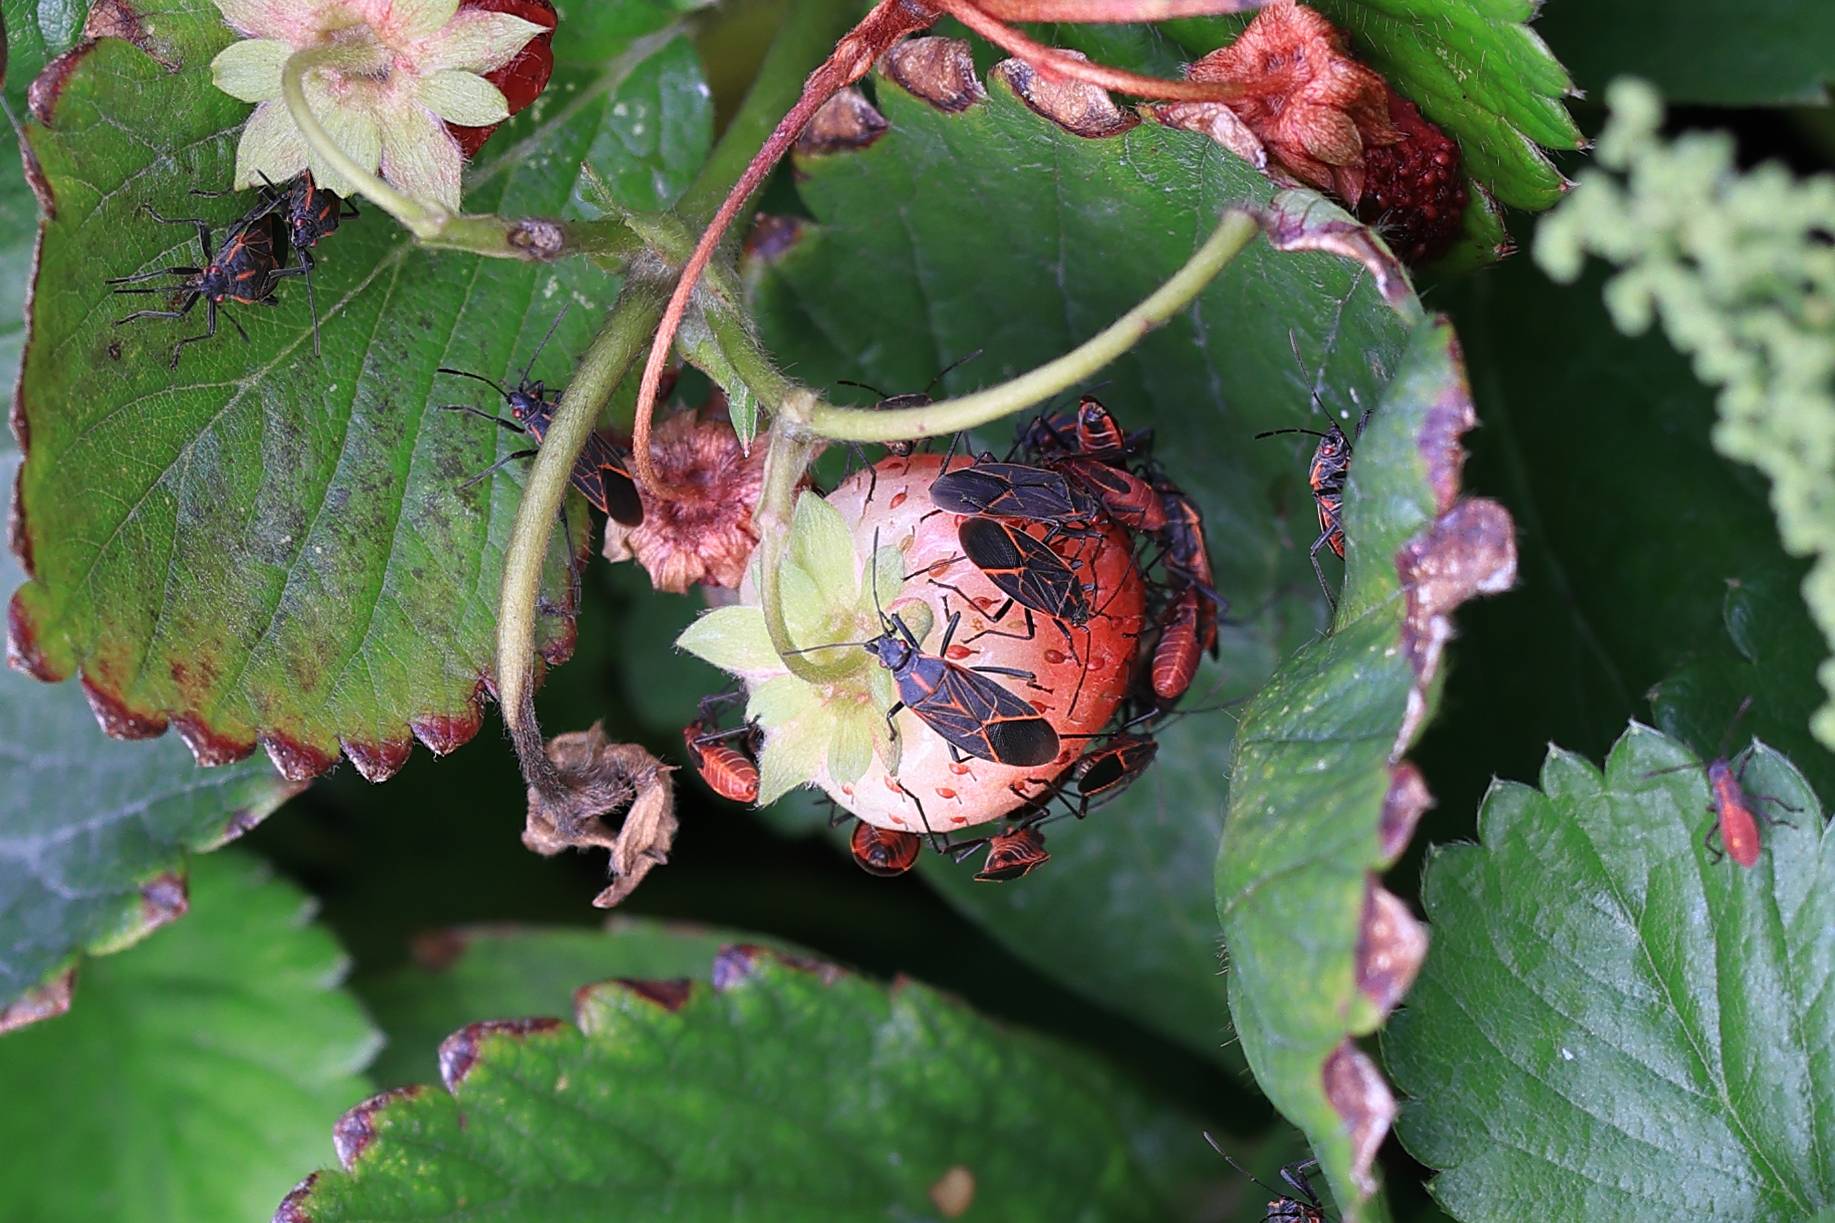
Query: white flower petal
{"x": 420, "y": 156}
{"x": 270, "y": 145}
{"x": 476, "y": 41}
{"x": 250, "y": 69}
{"x": 287, "y": 20}
{"x": 464, "y": 98}
{"x": 418, "y": 18}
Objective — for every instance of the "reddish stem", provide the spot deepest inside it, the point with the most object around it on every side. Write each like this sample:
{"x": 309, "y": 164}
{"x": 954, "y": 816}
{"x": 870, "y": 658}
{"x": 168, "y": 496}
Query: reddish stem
{"x": 854, "y": 54}
{"x": 1102, "y": 12}
{"x": 1055, "y": 63}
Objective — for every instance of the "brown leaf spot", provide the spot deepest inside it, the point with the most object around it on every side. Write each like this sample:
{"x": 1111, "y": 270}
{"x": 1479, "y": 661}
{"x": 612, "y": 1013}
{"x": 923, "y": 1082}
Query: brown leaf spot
{"x": 844, "y": 123}
{"x": 22, "y": 652}
{"x": 1390, "y": 947}
{"x": 1080, "y": 108}
{"x": 118, "y": 19}
{"x": 46, "y": 1001}
{"x": 1448, "y": 417}
{"x": 438, "y": 950}
{"x": 42, "y": 94}
{"x": 459, "y": 1052}
{"x": 1356, "y": 1091}
{"x": 444, "y": 734}
{"x": 939, "y": 70}
{"x": 162, "y": 900}
{"x": 1300, "y": 221}
{"x": 292, "y": 1208}
{"x": 240, "y": 823}
{"x": 17, "y": 537}
{"x": 116, "y": 719}
{"x": 1406, "y": 802}
{"x": 296, "y": 761}
{"x": 773, "y": 237}
{"x": 954, "y": 1192}
{"x": 556, "y": 650}
{"x": 356, "y": 1129}
{"x": 378, "y": 761}
{"x": 1467, "y": 551}
{"x": 208, "y": 747}
{"x": 733, "y": 966}
{"x": 671, "y": 995}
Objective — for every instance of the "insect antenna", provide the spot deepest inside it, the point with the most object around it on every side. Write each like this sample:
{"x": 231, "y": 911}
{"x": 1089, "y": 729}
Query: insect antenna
{"x": 465, "y": 373}
{"x": 546, "y": 336}
{"x": 1307, "y": 432}
{"x": 865, "y": 386}
{"x": 953, "y": 365}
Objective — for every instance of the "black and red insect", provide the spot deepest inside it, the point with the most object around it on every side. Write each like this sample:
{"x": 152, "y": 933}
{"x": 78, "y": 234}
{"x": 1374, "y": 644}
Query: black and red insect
{"x": 1737, "y": 814}
{"x": 600, "y": 473}
{"x": 1299, "y": 1203}
{"x": 1327, "y": 475}
{"x": 1128, "y": 499}
{"x": 884, "y": 851}
{"x": 908, "y": 399}
{"x": 1188, "y": 557}
{"x": 975, "y": 715}
{"x": 1028, "y": 572}
{"x": 727, "y": 760}
{"x": 1090, "y": 429}
{"x": 244, "y": 270}
{"x": 310, "y": 213}
{"x": 1014, "y": 490}
{"x": 1012, "y": 855}
{"x": 1102, "y": 773}
{"x": 1175, "y": 656}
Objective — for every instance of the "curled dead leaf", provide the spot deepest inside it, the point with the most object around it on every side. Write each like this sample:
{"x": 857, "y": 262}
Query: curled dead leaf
{"x": 594, "y": 778}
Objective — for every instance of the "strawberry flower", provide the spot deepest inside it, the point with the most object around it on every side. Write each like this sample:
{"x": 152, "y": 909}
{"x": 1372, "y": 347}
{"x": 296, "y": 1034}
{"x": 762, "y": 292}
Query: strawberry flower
{"x": 381, "y": 76}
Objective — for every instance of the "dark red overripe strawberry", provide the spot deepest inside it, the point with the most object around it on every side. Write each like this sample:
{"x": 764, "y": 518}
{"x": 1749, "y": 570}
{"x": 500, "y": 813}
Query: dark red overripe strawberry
{"x": 525, "y": 76}
{"x": 1413, "y": 189}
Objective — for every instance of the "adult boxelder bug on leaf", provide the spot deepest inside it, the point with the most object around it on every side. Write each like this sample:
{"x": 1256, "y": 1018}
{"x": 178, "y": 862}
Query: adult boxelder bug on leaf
{"x": 1737, "y": 815}
{"x": 310, "y": 213}
{"x": 1326, "y": 474}
{"x": 1012, "y": 855}
{"x": 883, "y": 851}
{"x": 599, "y": 473}
{"x": 243, "y": 270}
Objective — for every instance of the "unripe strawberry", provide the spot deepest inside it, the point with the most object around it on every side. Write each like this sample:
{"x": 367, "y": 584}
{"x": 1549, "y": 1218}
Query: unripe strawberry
{"x": 525, "y": 76}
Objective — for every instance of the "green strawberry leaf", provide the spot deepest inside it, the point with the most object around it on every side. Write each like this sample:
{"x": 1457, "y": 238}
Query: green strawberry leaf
{"x": 892, "y": 284}
{"x": 1612, "y": 1024}
{"x": 1322, "y": 798}
{"x": 783, "y": 1089}
{"x": 461, "y": 974}
{"x": 18, "y": 211}
{"x": 37, "y": 31}
{"x": 94, "y": 834}
{"x": 195, "y": 1077}
{"x": 267, "y": 547}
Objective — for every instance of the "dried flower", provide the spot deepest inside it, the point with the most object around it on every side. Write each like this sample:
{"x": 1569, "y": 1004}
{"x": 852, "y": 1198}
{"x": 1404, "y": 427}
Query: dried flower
{"x": 386, "y": 76}
{"x": 704, "y": 534}
{"x": 1314, "y": 115}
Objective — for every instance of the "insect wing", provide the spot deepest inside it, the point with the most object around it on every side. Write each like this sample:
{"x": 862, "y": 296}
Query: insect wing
{"x": 1006, "y": 490}
{"x": 976, "y": 715}
{"x": 1023, "y": 568}
{"x": 601, "y": 477}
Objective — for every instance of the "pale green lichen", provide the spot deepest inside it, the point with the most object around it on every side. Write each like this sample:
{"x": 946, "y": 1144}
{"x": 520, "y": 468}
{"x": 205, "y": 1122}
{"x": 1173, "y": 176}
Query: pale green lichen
{"x": 813, "y": 731}
{"x": 1740, "y": 270}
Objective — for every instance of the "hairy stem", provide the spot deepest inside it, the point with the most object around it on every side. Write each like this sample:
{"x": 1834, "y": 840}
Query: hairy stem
{"x": 785, "y": 461}
{"x": 603, "y": 366}
{"x": 821, "y": 419}
{"x": 889, "y": 21}
{"x": 432, "y": 223}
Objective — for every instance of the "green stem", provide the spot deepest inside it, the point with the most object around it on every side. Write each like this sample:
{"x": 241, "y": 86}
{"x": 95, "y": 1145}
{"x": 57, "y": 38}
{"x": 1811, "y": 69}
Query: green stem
{"x": 748, "y": 359}
{"x": 785, "y": 461}
{"x": 617, "y": 346}
{"x": 1232, "y": 234}
{"x": 434, "y": 224}
{"x": 804, "y": 36}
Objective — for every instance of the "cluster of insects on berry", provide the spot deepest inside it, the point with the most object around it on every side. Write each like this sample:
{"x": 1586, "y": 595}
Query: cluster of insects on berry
{"x": 1033, "y": 526}
{"x": 251, "y": 261}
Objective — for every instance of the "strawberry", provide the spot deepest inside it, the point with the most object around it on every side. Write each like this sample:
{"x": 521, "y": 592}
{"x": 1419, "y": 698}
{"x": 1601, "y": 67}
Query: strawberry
{"x": 525, "y": 76}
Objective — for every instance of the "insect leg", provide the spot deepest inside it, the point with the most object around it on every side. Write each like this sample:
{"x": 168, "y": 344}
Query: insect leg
{"x": 505, "y": 461}
{"x": 1319, "y": 571}
{"x": 203, "y": 226}
{"x": 153, "y": 275}
{"x": 512, "y": 426}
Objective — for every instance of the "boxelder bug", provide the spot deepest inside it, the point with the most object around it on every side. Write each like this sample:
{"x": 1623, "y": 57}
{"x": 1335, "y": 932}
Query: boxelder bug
{"x": 730, "y": 770}
{"x": 1128, "y": 499}
{"x": 599, "y": 473}
{"x": 1027, "y": 571}
{"x": 1013, "y": 490}
{"x": 1300, "y": 1205}
{"x": 1091, "y": 430}
{"x": 908, "y": 399}
{"x": 1175, "y": 658}
{"x": 883, "y": 851}
{"x": 1104, "y": 772}
{"x": 1326, "y": 474}
{"x": 1188, "y": 557}
{"x": 310, "y": 213}
{"x": 1737, "y": 815}
{"x": 243, "y": 270}
{"x": 1013, "y": 854}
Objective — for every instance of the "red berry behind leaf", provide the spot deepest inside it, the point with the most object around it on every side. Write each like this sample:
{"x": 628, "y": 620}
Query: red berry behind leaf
{"x": 525, "y": 76}
{"x": 1413, "y": 189}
